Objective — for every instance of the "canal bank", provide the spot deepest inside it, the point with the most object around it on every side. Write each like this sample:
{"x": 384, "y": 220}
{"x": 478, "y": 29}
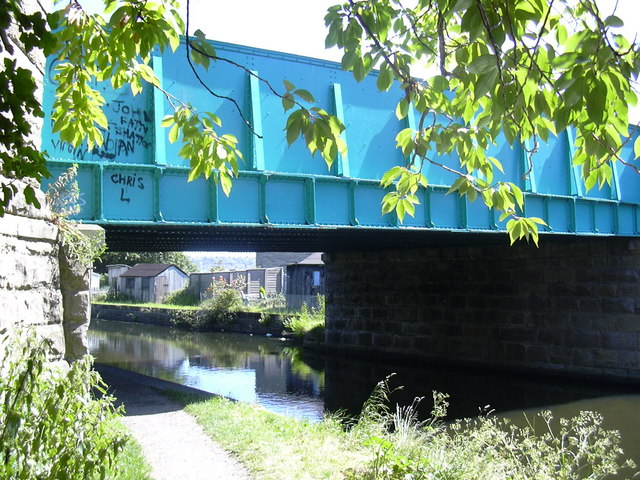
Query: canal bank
{"x": 244, "y": 322}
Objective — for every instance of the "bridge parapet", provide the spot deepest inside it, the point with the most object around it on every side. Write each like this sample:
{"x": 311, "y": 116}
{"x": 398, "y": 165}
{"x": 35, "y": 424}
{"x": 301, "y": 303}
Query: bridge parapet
{"x": 137, "y": 176}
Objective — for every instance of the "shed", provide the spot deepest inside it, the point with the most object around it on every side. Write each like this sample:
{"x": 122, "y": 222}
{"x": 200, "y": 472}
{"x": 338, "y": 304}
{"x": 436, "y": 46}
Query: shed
{"x": 304, "y": 280}
{"x": 113, "y": 272}
{"x": 151, "y": 282}
{"x": 271, "y": 279}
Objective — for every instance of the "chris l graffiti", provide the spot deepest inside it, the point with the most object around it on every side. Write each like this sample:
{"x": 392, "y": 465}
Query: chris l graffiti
{"x": 134, "y": 181}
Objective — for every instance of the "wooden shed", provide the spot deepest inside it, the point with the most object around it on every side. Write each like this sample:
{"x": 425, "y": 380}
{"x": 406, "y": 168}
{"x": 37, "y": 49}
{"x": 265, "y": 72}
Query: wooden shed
{"x": 271, "y": 279}
{"x": 114, "y": 272}
{"x": 150, "y": 282}
{"x": 306, "y": 277}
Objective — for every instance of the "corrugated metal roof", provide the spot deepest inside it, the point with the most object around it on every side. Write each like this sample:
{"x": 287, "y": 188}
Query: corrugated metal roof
{"x": 147, "y": 269}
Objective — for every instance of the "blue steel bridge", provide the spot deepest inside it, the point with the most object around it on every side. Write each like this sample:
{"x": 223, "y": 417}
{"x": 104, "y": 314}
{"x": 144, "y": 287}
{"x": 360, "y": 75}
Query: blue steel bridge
{"x": 135, "y": 184}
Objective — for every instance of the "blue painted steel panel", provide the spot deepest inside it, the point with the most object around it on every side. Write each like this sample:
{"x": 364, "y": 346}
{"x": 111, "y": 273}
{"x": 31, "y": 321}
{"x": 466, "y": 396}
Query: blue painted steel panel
{"x": 628, "y": 177}
{"x": 511, "y": 159}
{"x": 478, "y": 215}
{"x": 445, "y": 210}
{"x": 332, "y": 203}
{"x": 626, "y": 220}
{"x": 368, "y": 202}
{"x": 285, "y": 202}
{"x": 243, "y": 204}
{"x": 418, "y": 220}
{"x": 559, "y": 218}
{"x": 584, "y": 217}
{"x": 85, "y": 181}
{"x": 551, "y": 176}
{"x": 226, "y": 80}
{"x": 130, "y": 135}
{"x": 182, "y": 201}
{"x": 604, "y": 216}
{"x": 439, "y": 176}
{"x": 372, "y": 127}
{"x": 128, "y": 193}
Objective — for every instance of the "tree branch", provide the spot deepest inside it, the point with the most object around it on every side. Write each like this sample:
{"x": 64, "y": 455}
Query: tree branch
{"x": 204, "y": 84}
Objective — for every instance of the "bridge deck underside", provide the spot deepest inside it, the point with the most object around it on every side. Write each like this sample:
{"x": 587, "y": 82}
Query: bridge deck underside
{"x": 266, "y": 239}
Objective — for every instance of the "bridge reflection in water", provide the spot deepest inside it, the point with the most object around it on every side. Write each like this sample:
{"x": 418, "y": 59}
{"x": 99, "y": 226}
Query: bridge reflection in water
{"x": 276, "y": 375}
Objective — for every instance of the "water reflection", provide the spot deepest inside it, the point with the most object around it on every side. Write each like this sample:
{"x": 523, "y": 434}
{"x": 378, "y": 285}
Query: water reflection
{"x": 278, "y": 376}
{"x": 260, "y": 370}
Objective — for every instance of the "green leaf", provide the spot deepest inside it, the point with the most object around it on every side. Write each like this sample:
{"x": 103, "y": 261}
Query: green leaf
{"x": 385, "y": 80}
{"x": 174, "y": 133}
{"x": 636, "y": 147}
{"x": 613, "y": 21}
{"x": 460, "y": 181}
{"x": 288, "y": 101}
{"x": 440, "y": 83}
{"x": 483, "y": 64}
{"x": 389, "y": 202}
{"x": 596, "y": 101}
{"x": 225, "y": 182}
{"x": 485, "y": 84}
{"x": 462, "y": 5}
{"x": 517, "y": 193}
{"x": 289, "y": 86}
{"x": 305, "y": 95}
{"x": 402, "y": 109}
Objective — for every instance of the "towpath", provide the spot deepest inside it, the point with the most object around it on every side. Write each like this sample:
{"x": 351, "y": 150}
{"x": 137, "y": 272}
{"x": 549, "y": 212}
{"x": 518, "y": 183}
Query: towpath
{"x": 173, "y": 443}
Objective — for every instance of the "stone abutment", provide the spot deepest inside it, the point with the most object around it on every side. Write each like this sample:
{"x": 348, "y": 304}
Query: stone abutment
{"x": 569, "y": 307}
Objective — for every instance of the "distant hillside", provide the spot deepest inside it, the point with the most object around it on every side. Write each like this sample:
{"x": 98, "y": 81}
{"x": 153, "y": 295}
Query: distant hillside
{"x": 227, "y": 260}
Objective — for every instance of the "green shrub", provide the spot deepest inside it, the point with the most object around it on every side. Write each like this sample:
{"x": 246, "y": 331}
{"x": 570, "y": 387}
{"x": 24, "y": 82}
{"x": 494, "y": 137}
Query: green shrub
{"x": 222, "y": 308}
{"x": 113, "y": 296}
{"x": 182, "y": 297}
{"x": 308, "y": 320}
{"x": 51, "y": 424}
{"x": 270, "y": 302}
{"x": 486, "y": 447}
{"x": 188, "y": 320}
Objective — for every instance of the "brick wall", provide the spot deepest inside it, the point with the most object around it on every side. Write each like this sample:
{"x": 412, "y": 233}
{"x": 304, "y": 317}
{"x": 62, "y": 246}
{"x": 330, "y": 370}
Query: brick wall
{"x": 568, "y": 307}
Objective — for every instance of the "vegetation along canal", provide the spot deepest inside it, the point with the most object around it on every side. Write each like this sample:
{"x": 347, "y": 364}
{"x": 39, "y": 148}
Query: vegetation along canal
{"x": 277, "y": 375}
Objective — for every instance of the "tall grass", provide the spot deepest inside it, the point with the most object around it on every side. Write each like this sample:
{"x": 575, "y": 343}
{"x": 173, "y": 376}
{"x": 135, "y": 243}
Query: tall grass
{"x": 308, "y": 319}
{"x": 387, "y": 443}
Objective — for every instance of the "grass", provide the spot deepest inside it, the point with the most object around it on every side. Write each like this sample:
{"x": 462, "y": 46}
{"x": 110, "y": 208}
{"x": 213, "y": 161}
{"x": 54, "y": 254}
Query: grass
{"x": 389, "y": 444}
{"x": 131, "y": 464}
{"x": 146, "y": 305}
{"x": 271, "y": 446}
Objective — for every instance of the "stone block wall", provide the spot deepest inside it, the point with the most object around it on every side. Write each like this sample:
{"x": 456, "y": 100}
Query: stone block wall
{"x": 33, "y": 292}
{"x": 570, "y": 307}
{"x": 29, "y": 272}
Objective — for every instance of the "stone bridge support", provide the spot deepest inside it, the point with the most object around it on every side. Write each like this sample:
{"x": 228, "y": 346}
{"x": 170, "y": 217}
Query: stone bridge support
{"x": 569, "y": 307}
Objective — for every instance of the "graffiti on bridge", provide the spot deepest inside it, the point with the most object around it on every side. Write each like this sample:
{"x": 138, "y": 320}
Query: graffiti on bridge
{"x": 124, "y": 181}
{"x": 127, "y": 136}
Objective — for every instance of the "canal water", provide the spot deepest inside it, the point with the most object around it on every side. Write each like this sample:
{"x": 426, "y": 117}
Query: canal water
{"x": 278, "y": 375}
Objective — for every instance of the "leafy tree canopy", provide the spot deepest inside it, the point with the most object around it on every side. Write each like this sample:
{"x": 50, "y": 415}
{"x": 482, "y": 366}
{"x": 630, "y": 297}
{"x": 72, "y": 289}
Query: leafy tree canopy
{"x": 179, "y": 259}
{"x": 519, "y": 70}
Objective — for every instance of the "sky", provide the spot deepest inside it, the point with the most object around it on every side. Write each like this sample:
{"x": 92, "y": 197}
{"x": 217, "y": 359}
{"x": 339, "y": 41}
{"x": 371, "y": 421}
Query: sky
{"x": 297, "y": 26}
{"x": 291, "y": 26}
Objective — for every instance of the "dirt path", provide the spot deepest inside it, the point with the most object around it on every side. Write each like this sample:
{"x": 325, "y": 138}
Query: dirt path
{"x": 173, "y": 443}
